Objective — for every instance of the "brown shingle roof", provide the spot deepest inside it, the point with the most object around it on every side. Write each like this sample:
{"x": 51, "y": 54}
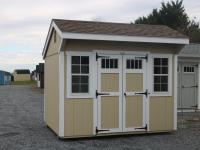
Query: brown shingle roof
{"x": 108, "y": 28}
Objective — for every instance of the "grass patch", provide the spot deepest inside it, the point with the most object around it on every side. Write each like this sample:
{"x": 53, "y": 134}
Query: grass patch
{"x": 23, "y": 82}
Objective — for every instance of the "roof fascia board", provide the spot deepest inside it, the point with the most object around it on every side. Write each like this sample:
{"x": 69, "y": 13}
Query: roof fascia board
{"x": 189, "y": 55}
{"x": 83, "y": 36}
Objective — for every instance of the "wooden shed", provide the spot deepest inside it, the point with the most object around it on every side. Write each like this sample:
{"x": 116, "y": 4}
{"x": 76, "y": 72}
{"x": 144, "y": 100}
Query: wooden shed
{"x": 5, "y": 78}
{"x": 106, "y": 78}
{"x": 189, "y": 78}
{"x": 22, "y": 75}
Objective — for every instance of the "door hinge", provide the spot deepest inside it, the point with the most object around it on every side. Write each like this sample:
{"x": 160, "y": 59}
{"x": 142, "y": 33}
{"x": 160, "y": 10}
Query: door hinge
{"x": 196, "y": 86}
{"x": 145, "y": 128}
{"x": 102, "y": 130}
{"x": 146, "y": 93}
{"x": 195, "y": 65}
{"x": 195, "y": 106}
{"x": 98, "y": 56}
{"x": 143, "y": 57}
{"x": 97, "y": 94}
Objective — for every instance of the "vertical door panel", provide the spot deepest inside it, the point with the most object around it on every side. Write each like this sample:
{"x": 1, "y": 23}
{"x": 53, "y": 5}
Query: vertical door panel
{"x": 110, "y": 93}
{"x": 110, "y": 112}
{"x": 134, "y": 86}
{"x": 134, "y": 111}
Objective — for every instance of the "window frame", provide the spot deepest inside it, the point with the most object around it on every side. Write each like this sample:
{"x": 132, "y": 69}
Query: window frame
{"x": 162, "y": 93}
{"x": 69, "y": 75}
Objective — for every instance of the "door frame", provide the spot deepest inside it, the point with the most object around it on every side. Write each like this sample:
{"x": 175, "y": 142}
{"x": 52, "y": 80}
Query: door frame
{"x": 94, "y": 68}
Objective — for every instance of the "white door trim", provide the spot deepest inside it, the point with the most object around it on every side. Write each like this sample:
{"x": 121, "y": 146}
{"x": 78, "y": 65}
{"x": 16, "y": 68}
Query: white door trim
{"x": 61, "y": 94}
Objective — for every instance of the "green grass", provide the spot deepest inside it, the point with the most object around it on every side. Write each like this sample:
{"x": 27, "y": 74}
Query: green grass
{"x": 23, "y": 82}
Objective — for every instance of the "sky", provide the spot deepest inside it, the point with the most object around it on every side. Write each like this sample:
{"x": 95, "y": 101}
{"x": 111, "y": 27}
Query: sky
{"x": 24, "y": 23}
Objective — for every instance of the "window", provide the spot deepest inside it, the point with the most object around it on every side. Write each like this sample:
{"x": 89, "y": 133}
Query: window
{"x": 188, "y": 69}
{"x": 109, "y": 63}
{"x": 80, "y": 74}
{"x": 133, "y": 64}
{"x": 160, "y": 74}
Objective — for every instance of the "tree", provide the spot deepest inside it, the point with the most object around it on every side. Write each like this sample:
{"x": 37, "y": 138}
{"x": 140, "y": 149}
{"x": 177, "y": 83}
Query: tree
{"x": 173, "y": 15}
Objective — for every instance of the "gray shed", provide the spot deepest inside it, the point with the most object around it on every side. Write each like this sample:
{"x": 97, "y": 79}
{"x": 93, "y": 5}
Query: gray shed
{"x": 189, "y": 78}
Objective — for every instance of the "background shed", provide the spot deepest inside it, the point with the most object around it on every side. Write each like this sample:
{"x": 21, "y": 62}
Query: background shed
{"x": 189, "y": 77}
{"x": 5, "y": 78}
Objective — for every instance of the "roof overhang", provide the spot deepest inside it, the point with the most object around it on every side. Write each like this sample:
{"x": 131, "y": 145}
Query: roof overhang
{"x": 104, "y": 37}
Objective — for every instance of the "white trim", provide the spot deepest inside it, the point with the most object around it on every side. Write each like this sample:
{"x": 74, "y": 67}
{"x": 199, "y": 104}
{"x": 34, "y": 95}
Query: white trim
{"x": 175, "y": 90}
{"x": 61, "y": 94}
{"x": 94, "y": 88}
{"x": 198, "y": 93}
{"x": 69, "y": 82}
{"x": 169, "y": 93}
{"x": 104, "y": 37}
{"x": 188, "y": 55}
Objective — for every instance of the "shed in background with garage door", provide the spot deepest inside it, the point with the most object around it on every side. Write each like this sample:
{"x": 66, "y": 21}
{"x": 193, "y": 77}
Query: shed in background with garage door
{"x": 106, "y": 78}
{"x": 189, "y": 78}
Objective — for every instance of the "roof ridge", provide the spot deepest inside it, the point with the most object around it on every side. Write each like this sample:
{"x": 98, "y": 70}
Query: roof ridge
{"x": 109, "y": 22}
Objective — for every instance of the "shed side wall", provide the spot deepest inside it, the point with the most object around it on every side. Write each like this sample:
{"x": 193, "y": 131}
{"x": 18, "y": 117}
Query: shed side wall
{"x": 51, "y": 84}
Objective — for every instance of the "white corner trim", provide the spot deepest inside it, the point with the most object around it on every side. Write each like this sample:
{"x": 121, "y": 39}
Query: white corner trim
{"x": 61, "y": 94}
{"x": 175, "y": 90}
{"x": 104, "y": 37}
{"x": 198, "y": 93}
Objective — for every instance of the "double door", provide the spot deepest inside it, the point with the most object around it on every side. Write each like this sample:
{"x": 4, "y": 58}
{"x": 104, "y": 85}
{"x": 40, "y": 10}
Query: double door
{"x": 122, "y": 93}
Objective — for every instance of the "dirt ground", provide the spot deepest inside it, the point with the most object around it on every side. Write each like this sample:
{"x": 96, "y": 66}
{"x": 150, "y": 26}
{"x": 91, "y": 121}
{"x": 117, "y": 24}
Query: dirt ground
{"x": 22, "y": 128}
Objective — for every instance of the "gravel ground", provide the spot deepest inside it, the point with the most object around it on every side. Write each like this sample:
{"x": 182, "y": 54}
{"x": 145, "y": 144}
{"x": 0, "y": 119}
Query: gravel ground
{"x": 22, "y": 128}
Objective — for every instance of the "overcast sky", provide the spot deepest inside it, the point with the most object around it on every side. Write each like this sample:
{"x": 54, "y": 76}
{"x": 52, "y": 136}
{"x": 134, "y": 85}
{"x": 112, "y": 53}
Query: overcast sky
{"x": 24, "y": 23}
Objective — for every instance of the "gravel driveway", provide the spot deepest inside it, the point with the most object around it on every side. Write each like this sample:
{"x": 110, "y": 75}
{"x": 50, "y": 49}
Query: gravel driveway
{"x": 22, "y": 128}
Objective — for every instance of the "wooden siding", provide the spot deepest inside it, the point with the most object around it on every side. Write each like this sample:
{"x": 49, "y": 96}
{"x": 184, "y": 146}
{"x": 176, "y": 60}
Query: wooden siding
{"x": 161, "y": 113}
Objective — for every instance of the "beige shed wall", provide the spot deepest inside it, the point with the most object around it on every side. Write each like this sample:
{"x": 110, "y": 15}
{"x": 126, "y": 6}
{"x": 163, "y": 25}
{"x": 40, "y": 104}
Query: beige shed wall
{"x": 21, "y": 77}
{"x": 51, "y": 84}
{"x": 88, "y": 45}
{"x": 161, "y": 113}
{"x": 78, "y": 114}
